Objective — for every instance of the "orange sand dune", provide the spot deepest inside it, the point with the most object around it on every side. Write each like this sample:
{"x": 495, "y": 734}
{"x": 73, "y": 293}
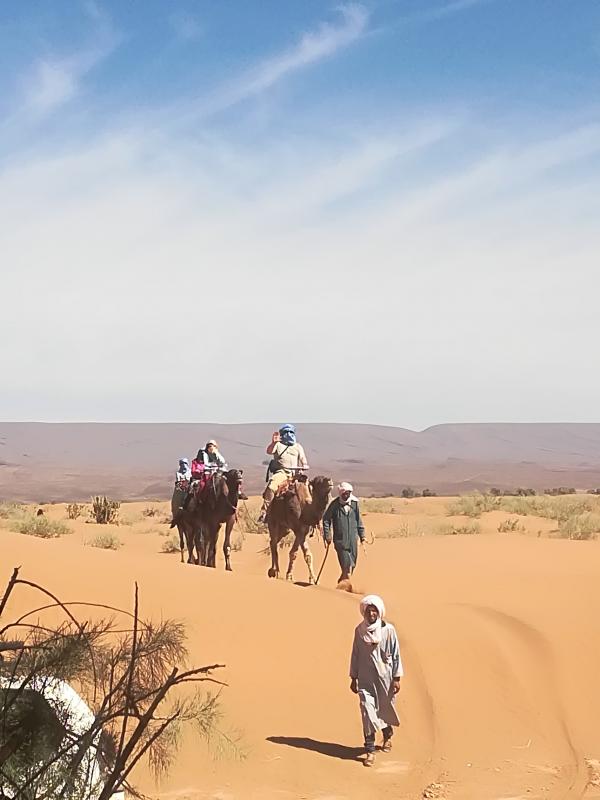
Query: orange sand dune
{"x": 500, "y": 642}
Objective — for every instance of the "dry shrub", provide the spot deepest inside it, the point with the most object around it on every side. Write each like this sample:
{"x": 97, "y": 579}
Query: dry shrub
{"x": 11, "y": 510}
{"x": 150, "y": 511}
{"x": 41, "y": 527}
{"x": 403, "y": 531}
{"x": 557, "y": 508}
{"x": 105, "y": 511}
{"x": 106, "y": 541}
{"x": 466, "y": 529}
{"x": 75, "y": 510}
{"x": 379, "y": 505}
{"x": 473, "y": 505}
{"x": 284, "y": 543}
{"x": 171, "y": 545}
{"x": 579, "y": 526}
{"x": 247, "y": 523}
{"x": 237, "y": 541}
{"x": 510, "y": 526}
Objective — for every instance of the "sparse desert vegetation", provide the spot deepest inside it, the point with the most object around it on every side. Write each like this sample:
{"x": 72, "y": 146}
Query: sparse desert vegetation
{"x": 106, "y": 541}
{"x": 75, "y": 510}
{"x": 170, "y": 545}
{"x": 42, "y": 527}
{"x": 105, "y": 511}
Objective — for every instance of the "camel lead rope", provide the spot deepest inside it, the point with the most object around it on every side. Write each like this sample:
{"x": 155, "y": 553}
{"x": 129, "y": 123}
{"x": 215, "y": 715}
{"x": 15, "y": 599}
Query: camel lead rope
{"x": 323, "y": 564}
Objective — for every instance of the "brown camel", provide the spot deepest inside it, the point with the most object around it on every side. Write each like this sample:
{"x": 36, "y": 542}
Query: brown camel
{"x": 204, "y": 514}
{"x": 219, "y": 505}
{"x": 299, "y": 509}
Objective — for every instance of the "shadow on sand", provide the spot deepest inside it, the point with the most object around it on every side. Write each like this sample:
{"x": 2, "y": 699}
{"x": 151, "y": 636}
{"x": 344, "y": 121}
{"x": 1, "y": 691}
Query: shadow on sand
{"x": 330, "y": 749}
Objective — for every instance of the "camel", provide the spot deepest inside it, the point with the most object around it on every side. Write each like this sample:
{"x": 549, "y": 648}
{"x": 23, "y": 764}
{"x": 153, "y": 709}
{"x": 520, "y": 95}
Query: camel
{"x": 202, "y": 518}
{"x": 299, "y": 509}
{"x": 219, "y": 505}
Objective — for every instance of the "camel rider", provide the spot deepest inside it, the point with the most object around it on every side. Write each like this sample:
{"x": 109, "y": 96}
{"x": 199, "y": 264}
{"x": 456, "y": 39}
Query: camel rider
{"x": 184, "y": 474}
{"x": 287, "y": 457}
{"x": 214, "y": 461}
{"x": 212, "y": 456}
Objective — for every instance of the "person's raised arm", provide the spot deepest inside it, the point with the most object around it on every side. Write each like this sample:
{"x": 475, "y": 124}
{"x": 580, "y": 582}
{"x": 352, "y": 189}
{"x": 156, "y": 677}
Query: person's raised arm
{"x": 271, "y": 446}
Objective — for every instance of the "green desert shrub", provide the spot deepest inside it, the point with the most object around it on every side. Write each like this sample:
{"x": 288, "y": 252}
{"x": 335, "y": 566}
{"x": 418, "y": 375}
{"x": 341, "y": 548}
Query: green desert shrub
{"x": 41, "y": 527}
{"x": 106, "y": 541}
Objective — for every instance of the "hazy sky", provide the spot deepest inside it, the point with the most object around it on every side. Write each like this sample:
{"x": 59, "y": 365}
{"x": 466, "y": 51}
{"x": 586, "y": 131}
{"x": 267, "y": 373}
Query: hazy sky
{"x": 384, "y": 211}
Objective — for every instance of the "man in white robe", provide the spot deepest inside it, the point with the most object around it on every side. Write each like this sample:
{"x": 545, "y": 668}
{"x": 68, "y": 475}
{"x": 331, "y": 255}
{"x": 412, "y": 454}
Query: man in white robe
{"x": 375, "y": 672}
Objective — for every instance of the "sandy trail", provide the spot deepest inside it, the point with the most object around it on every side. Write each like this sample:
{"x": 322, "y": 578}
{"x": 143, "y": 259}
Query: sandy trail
{"x": 500, "y": 645}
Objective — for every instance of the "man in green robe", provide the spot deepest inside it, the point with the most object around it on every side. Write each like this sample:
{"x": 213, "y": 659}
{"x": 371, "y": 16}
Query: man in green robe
{"x": 343, "y": 516}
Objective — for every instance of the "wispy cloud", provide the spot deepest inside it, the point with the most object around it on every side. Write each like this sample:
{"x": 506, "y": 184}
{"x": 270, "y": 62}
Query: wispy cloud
{"x": 186, "y": 26}
{"x": 433, "y": 12}
{"x": 312, "y": 47}
{"x": 52, "y": 82}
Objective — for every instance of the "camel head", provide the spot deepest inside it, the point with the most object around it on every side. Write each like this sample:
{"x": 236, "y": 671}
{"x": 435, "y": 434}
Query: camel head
{"x": 321, "y": 486}
{"x": 233, "y": 478}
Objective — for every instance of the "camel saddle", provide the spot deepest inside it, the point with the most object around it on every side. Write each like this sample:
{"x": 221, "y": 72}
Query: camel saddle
{"x": 290, "y": 484}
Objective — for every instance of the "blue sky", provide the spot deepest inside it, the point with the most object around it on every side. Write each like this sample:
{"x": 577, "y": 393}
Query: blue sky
{"x": 382, "y": 211}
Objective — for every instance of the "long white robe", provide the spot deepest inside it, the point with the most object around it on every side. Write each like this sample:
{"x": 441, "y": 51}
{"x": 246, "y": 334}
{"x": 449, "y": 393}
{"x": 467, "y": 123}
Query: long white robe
{"x": 375, "y": 667}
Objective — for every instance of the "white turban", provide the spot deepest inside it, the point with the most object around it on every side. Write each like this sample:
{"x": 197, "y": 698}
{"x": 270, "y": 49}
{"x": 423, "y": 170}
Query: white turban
{"x": 371, "y": 632}
{"x": 346, "y": 487}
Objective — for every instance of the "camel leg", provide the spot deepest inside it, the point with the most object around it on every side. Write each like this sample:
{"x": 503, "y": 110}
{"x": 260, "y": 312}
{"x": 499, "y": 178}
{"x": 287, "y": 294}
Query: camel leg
{"x": 293, "y": 554}
{"x": 309, "y": 562}
{"x": 227, "y": 543}
{"x": 181, "y": 542}
{"x": 201, "y": 546}
{"x": 273, "y": 541}
{"x": 189, "y": 540}
{"x": 212, "y": 545}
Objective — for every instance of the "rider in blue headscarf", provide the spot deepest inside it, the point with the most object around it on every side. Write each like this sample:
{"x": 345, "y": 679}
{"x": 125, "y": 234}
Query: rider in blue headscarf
{"x": 287, "y": 434}
{"x": 287, "y": 457}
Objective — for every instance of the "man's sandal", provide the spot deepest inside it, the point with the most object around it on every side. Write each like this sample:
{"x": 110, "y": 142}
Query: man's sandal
{"x": 369, "y": 760}
{"x": 387, "y": 746}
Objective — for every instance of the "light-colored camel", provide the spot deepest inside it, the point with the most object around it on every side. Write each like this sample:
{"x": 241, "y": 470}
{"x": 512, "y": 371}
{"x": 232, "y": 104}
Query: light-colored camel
{"x": 299, "y": 510}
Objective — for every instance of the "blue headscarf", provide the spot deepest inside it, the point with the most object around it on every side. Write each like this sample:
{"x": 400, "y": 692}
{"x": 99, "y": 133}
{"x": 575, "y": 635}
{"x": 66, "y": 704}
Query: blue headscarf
{"x": 287, "y": 433}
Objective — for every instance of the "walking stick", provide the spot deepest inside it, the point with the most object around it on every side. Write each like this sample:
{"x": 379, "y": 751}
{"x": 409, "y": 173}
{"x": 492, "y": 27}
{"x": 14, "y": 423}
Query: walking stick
{"x": 323, "y": 564}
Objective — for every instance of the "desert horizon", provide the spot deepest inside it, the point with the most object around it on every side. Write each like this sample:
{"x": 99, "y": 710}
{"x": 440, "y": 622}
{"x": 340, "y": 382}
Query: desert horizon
{"x": 72, "y": 461}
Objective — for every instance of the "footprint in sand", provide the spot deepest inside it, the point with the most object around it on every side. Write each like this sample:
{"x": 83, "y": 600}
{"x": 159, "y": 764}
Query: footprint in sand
{"x": 393, "y": 767}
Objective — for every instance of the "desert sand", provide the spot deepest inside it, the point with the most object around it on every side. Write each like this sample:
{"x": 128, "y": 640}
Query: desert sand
{"x": 500, "y": 643}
